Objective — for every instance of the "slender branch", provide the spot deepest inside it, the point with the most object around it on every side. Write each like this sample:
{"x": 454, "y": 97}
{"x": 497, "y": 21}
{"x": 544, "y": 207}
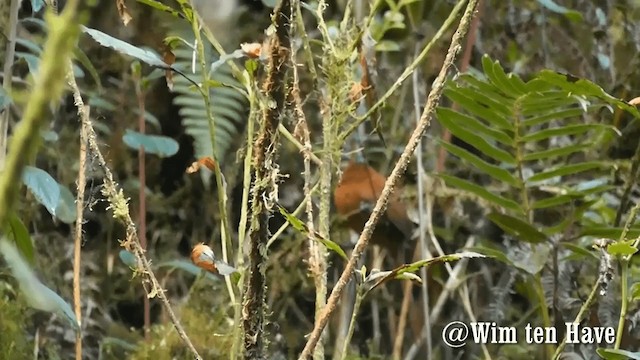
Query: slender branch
{"x": 400, "y": 167}
{"x": 264, "y": 189}
{"x": 142, "y": 199}
{"x": 120, "y": 208}
{"x": 77, "y": 244}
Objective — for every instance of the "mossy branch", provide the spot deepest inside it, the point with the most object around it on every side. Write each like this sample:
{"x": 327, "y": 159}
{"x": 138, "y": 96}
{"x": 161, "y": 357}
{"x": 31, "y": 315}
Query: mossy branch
{"x": 400, "y": 167}
{"x": 264, "y": 187}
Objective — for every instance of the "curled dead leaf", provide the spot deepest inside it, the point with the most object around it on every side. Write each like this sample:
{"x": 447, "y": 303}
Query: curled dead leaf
{"x": 125, "y": 16}
{"x": 206, "y": 161}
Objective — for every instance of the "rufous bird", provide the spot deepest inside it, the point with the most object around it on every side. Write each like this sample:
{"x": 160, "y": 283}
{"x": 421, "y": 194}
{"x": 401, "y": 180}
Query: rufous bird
{"x": 202, "y": 256}
{"x": 355, "y": 197}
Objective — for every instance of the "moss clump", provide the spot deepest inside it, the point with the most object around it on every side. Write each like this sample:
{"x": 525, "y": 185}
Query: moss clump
{"x": 207, "y": 323}
{"x": 14, "y": 343}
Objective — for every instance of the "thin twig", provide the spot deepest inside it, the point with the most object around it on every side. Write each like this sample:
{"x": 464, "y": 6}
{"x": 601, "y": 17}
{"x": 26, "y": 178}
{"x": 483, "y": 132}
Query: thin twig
{"x": 77, "y": 244}
{"x": 400, "y": 167}
{"x": 142, "y": 206}
{"x": 119, "y": 205}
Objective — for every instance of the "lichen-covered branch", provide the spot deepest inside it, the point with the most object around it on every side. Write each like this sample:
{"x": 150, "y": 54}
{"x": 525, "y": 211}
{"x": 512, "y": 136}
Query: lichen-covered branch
{"x": 264, "y": 190}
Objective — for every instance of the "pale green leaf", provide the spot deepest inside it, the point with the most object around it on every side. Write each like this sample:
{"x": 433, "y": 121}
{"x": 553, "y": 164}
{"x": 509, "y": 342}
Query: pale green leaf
{"x": 481, "y": 192}
{"x": 162, "y": 146}
{"x": 494, "y": 171}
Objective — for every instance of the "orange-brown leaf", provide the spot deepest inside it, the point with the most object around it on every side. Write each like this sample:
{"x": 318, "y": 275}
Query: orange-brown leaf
{"x": 252, "y": 50}
{"x": 125, "y": 16}
{"x": 206, "y": 161}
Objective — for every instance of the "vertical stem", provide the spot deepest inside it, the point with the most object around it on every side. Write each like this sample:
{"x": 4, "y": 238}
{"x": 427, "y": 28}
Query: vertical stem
{"x": 142, "y": 210}
{"x": 624, "y": 265}
{"x": 8, "y": 74}
{"x": 352, "y": 323}
{"x": 77, "y": 245}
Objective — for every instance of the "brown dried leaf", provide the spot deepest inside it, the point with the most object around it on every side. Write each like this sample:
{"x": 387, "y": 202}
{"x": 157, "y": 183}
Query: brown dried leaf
{"x": 206, "y": 161}
{"x": 125, "y": 16}
{"x": 170, "y": 58}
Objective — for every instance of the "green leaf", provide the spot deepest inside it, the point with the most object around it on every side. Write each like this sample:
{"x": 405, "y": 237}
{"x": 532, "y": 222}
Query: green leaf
{"x": 37, "y": 5}
{"x": 162, "y": 146}
{"x": 617, "y": 354}
{"x": 553, "y": 6}
{"x": 583, "y": 87}
{"x": 559, "y": 115}
{"x": 160, "y": 6}
{"x": 533, "y": 260}
{"x": 475, "y": 125}
{"x": 66, "y": 208}
{"x": 37, "y": 294}
{"x": 21, "y": 237}
{"x": 612, "y": 233}
{"x": 120, "y": 46}
{"x": 45, "y": 188}
{"x": 302, "y": 227}
{"x": 269, "y": 3}
{"x": 478, "y": 110}
{"x": 519, "y": 228}
{"x": 492, "y": 253}
{"x": 476, "y": 141}
{"x": 498, "y": 77}
{"x": 481, "y": 192}
{"x": 494, "y": 171}
{"x": 83, "y": 59}
{"x": 565, "y": 170}
{"x": 553, "y": 201}
{"x": 622, "y": 248}
{"x": 502, "y": 105}
{"x": 563, "y": 131}
{"x": 33, "y": 62}
{"x": 128, "y": 258}
{"x": 556, "y": 152}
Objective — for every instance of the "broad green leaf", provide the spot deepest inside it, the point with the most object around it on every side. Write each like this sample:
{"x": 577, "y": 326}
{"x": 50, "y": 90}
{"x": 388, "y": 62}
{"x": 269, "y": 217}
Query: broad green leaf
{"x": 556, "y": 152}
{"x": 481, "y": 192}
{"x": 45, "y": 188}
{"x": 494, "y": 171}
{"x": 162, "y": 146}
{"x": 553, "y": 6}
{"x": 120, "y": 46}
{"x": 612, "y": 233}
{"x": 478, "y": 110}
{"x": 565, "y": 170}
{"x": 33, "y": 62}
{"x": 635, "y": 292}
{"x": 617, "y": 354}
{"x": 21, "y": 237}
{"x": 302, "y": 227}
{"x": 37, "y": 294}
{"x": 562, "y": 131}
{"x": 475, "y": 125}
{"x": 622, "y": 248}
{"x": 476, "y": 141}
{"x": 554, "y": 201}
{"x": 128, "y": 258}
{"x": 66, "y": 208}
{"x": 497, "y": 76}
{"x": 519, "y": 228}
